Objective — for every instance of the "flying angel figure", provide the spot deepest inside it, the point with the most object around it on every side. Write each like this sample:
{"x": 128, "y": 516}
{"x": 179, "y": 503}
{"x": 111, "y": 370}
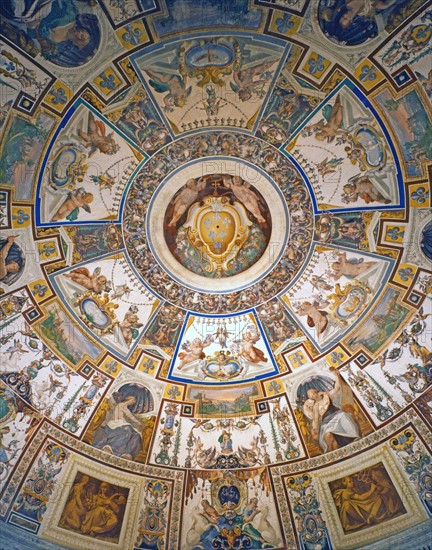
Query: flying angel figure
{"x": 327, "y": 166}
{"x": 54, "y": 385}
{"x": 204, "y": 457}
{"x": 104, "y": 181}
{"x": 70, "y": 208}
{"x": 329, "y": 126}
{"x": 193, "y": 350}
{"x": 251, "y": 455}
{"x": 16, "y": 348}
{"x": 122, "y": 290}
{"x": 319, "y": 283}
{"x": 96, "y": 138}
{"x": 222, "y": 334}
{"x": 91, "y": 281}
{"x": 315, "y": 316}
{"x": 28, "y": 331}
{"x": 421, "y": 315}
{"x": 175, "y": 85}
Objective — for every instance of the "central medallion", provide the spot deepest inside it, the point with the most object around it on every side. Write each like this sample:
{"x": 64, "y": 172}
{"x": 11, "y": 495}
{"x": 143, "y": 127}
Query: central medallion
{"x": 217, "y": 225}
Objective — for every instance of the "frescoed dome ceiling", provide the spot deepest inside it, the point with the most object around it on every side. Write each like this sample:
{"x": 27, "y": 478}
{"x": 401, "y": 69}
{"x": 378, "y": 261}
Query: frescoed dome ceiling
{"x": 215, "y": 274}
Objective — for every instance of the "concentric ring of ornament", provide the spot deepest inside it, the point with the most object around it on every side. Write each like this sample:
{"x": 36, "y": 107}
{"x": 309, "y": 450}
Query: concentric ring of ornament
{"x": 266, "y": 158}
